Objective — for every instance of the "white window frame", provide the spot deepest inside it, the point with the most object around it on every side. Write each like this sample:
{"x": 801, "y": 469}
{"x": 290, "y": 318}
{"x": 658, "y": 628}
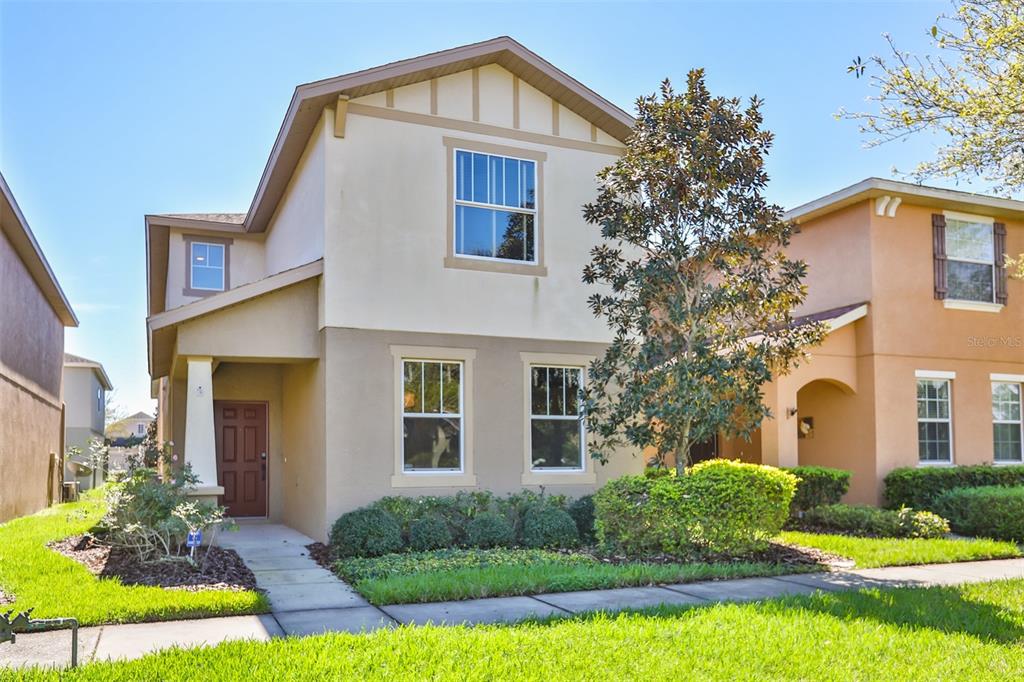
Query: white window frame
{"x": 192, "y": 266}
{"x": 426, "y": 478}
{"x": 948, "y": 377}
{"x": 966, "y": 303}
{"x": 585, "y": 475}
{"x": 1017, "y": 379}
{"x": 456, "y": 202}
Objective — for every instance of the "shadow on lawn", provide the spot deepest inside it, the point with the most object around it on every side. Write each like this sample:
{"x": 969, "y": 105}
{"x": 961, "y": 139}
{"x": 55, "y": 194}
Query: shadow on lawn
{"x": 944, "y": 609}
{"x": 938, "y": 608}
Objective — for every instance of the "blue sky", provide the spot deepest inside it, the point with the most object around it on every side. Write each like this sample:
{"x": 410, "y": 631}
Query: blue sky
{"x": 111, "y": 111}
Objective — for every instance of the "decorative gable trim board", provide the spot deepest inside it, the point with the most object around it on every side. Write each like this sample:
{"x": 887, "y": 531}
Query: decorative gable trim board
{"x": 309, "y": 100}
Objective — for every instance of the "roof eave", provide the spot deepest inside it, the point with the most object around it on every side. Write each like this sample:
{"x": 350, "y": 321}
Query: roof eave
{"x": 870, "y": 188}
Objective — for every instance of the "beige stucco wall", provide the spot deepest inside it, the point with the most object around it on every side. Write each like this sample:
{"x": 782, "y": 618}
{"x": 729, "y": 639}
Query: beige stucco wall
{"x": 247, "y": 263}
{"x": 296, "y": 232}
{"x": 303, "y": 474}
{"x": 279, "y": 325}
{"x": 387, "y": 208}
{"x": 361, "y": 405}
{"x": 82, "y": 411}
{"x": 31, "y": 358}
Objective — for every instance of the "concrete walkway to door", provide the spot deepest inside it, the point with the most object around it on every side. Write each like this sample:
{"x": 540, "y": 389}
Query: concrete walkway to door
{"x": 304, "y": 598}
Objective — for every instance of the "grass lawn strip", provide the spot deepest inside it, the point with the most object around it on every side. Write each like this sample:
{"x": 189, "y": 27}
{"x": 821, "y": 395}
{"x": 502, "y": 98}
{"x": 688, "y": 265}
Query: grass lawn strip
{"x": 878, "y": 552}
{"x": 57, "y": 586}
{"x": 950, "y": 633}
{"x": 450, "y": 575}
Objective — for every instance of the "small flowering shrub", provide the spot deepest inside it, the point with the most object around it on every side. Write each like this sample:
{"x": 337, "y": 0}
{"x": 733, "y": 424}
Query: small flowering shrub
{"x": 151, "y": 516}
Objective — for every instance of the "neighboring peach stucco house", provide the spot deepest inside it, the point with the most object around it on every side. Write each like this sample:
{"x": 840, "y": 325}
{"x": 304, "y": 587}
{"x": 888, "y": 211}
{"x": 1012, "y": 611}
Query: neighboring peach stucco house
{"x": 400, "y": 311}
{"x": 85, "y": 399}
{"x": 925, "y": 361}
{"x": 33, "y": 315}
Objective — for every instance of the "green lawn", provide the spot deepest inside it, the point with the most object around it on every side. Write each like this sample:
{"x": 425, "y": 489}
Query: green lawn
{"x": 972, "y": 632}
{"x": 470, "y": 574}
{"x": 56, "y": 586}
{"x": 874, "y": 552}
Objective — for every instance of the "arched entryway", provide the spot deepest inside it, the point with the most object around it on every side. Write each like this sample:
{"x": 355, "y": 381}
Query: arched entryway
{"x": 827, "y": 419}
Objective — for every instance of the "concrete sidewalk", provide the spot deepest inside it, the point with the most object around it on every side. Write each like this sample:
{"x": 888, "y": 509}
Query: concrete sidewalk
{"x": 121, "y": 642}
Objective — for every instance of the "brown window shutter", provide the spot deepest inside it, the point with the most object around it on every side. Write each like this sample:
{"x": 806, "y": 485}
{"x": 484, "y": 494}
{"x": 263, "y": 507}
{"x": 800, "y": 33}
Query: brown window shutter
{"x": 939, "y": 254}
{"x": 999, "y": 244}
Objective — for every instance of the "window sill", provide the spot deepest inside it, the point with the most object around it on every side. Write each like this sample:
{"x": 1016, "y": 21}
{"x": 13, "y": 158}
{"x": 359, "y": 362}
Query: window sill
{"x": 975, "y": 306}
{"x": 559, "y": 478}
{"x": 201, "y": 293}
{"x": 1007, "y": 463}
{"x": 428, "y": 480}
{"x": 927, "y": 465}
{"x": 503, "y": 267}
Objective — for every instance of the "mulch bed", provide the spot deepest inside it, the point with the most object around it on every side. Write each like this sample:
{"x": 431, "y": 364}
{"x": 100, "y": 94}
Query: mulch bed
{"x": 320, "y": 553}
{"x": 215, "y": 569}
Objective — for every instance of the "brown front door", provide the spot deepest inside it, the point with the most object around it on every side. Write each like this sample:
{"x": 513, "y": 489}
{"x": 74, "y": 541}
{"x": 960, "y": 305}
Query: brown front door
{"x": 242, "y": 456}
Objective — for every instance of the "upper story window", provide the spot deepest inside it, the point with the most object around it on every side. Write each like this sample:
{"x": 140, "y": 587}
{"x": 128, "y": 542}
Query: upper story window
{"x": 207, "y": 269}
{"x": 970, "y": 255}
{"x": 495, "y": 207}
{"x": 99, "y": 400}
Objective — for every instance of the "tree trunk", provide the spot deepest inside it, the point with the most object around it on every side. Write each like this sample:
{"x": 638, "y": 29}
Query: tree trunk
{"x": 682, "y": 454}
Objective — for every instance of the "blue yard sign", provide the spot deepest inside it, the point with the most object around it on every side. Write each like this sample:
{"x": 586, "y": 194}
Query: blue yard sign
{"x": 194, "y": 539}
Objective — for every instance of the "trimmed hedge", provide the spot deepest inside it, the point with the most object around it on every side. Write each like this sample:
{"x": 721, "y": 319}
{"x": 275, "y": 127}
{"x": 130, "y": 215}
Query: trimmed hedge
{"x": 490, "y": 529}
{"x": 582, "y": 512}
{"x": 873, "y": 522}
{"x": 430, "y": 532}
{"x": 365, "y": 532}
{"x": 989, "y": 511}
{"x": 818, "y": 486}
{"x": 718, "y": 507}
{"x": 921, "y": 487}
{"x": 546, "y": 527}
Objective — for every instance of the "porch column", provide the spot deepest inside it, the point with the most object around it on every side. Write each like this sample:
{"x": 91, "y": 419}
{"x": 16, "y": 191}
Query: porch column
{"x": 200, "y": 441}
{"x": 779, "y": 433}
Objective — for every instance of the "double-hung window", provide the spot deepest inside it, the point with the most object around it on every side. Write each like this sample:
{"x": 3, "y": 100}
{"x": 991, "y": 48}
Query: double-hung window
{"x": 1006, "y": 422}
{"x": 557, "y": 439}
{"x": 432, "y": 416}
{"x": 970, "y": 260}
{"x": 934, "y": 421}
{"x": 206, "y": 266}
{"x": 496, "y": 210}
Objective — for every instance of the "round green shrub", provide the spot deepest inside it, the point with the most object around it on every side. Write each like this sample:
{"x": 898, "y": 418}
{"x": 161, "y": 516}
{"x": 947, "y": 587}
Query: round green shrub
{"x": 582, "y": 512}
{"x": 988, "y": 511}
{"x": 734, "y": 508}
{"x": 638, "y": 515}
{"x": 547, "y": 527}
{"x": 818, "y": 486}
{"x": 430, "y": 532}
{"x": 365, "y": 532}
{"x": 490, "y": 529}
{"x": 922, "y": 524}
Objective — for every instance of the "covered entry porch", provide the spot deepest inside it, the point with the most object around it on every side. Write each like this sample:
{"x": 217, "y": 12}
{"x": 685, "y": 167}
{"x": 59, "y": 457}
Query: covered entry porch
{"x": 241, "y": 403}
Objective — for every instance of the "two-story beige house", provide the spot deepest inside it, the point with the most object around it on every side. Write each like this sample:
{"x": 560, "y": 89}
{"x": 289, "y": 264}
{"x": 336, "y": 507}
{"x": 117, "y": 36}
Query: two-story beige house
{"x": 86, "y": 385}
{"x": 400, "y": 310}
{"x": 33, "y": 314}
{"x": 924, "y": 364}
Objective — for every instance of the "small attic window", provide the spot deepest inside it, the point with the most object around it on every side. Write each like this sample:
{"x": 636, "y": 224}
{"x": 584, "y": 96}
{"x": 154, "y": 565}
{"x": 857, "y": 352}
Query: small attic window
{"x": 207, "y": 265}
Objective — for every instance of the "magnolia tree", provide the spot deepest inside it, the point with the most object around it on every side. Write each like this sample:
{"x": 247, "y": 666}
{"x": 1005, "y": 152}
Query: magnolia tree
{"x": 691, "y": 278}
